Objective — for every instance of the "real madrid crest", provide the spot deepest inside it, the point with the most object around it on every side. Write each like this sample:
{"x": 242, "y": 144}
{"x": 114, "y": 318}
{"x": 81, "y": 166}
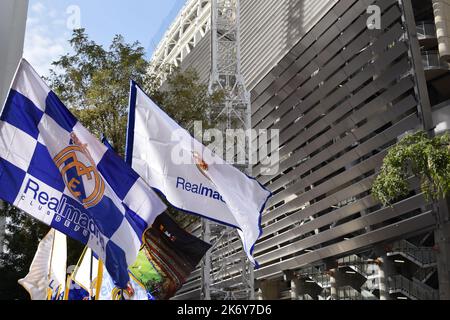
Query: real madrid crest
{"x": 201, "y": 165}
{"x": 80, "y": 173}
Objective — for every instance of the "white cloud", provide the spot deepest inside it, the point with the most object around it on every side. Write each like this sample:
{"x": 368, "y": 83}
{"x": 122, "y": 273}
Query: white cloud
{"x": 45, "y": 38}
{"x": 38, "y": 8}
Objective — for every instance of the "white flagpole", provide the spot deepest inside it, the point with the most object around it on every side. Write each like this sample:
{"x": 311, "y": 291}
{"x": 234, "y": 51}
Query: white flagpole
{"x": 49, "y": 275}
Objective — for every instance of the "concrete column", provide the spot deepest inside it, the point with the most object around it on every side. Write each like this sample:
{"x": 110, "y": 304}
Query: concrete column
{"x": 441, "y": 9}
{"x": 295, "y": 285}
{"x": 13, "y": 16}
{"x": 383, "y": 284}
{"x": 270, "y": 289}
{"x": 258, "y": 294}
{"x": 442, "y": 241}
{"x": 385, "y": 270}
{"x": 334, "y": 284}
{"x": 333, "y": 271}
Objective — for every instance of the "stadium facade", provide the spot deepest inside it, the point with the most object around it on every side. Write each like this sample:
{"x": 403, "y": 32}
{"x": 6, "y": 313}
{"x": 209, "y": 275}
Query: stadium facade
{"x": 13, "y": 16}
{"x": 341, "y": 92}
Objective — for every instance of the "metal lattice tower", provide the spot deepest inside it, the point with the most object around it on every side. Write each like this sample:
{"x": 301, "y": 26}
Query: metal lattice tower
{"x": 233, "y": 113}
{"x": 226, "y": 65}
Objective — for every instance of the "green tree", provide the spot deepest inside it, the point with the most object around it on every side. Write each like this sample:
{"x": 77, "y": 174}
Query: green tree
{"x": 415, "y": 155}
{"x": 21, "y": 240}
{"x": 94, "y": 83}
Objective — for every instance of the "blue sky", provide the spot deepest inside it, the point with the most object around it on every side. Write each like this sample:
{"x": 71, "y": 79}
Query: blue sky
{"x": 50, "y": 24}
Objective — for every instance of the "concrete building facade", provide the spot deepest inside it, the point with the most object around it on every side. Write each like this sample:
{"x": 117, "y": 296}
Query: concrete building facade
{"x": 341, "y": 93}
{"x": 13, "y": 16}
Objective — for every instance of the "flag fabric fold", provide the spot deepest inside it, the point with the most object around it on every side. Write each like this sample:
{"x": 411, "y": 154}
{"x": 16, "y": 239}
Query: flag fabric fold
{"x": 55, "y": 170}
{"x": 81, "y": 283}
{"x": 46, "y": 279}
{"x": 188, "y": 174}
{"x": 168, "y": 256}
{"x": 135, "y": 291}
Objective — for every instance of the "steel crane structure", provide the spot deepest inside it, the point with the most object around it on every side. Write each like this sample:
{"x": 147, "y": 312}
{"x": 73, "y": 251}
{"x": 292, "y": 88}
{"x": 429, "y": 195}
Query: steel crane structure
{"x": 232, "y": 114}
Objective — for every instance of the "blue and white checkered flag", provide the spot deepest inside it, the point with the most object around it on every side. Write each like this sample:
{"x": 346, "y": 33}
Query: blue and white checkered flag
{"x": 55, "y": 170}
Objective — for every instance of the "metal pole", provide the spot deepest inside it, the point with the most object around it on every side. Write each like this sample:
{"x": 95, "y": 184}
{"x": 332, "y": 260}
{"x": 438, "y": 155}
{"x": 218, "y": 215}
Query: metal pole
{"x": 206, "y": 262}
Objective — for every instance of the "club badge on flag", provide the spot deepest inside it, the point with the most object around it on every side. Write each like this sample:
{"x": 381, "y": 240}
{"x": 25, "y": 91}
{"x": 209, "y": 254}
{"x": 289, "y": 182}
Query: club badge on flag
{"x": 55, "y": 170}
{"x": 202, "y": 183}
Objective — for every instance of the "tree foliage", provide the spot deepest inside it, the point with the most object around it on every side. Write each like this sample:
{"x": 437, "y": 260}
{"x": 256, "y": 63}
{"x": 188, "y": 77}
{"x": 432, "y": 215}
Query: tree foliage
{"x": 415, "y": 155}
{"x": 94, "y": 83}
{"x": 22, "y": 237}
{"x": 21, "y": 240}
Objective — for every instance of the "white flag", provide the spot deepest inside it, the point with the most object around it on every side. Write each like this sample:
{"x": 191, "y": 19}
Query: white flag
{"x": 81, "y": 284}
{"x": 47, "y": 277}
{"x": 86, "y": 273}
{"x": 188, "y": 174}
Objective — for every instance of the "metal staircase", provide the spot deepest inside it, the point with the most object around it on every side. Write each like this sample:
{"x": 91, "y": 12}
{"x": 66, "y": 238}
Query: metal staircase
{"x": 366, "y": 282}
{"x": 414, "y": 290}
{"x": 423, "y": 275}
{"x": 424, "y": 257}
{"x": 360, "y": 277}
{"x": 356, "y": 263}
